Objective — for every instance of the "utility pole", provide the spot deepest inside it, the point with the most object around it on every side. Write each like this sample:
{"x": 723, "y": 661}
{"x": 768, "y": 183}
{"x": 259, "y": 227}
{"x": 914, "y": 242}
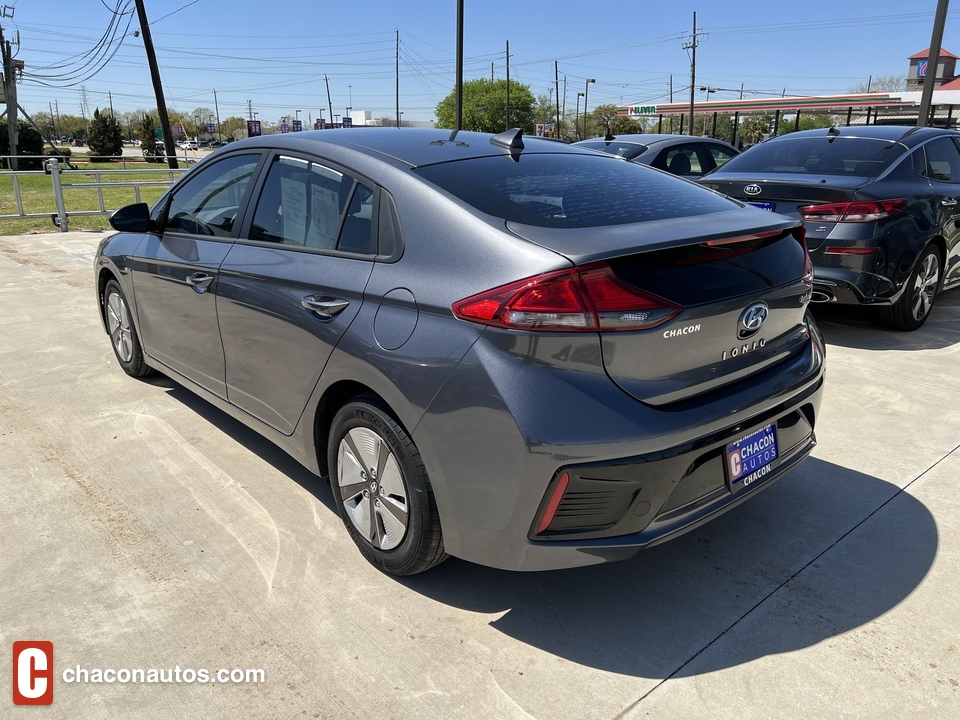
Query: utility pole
{"x": 165, "y": 129}
{"x": 508, "y": 85}
{"x": 397, "y": 75}
{"x": 933, "y": 61}
{"x": 556, "y": 82}
{"x": 691, "y": 45}
{"x": 10, "y": 96}
{"x": 249, "y": 109}
{"x": 330, "y": 103}
{"x": 458, "y": 124}
{"x": 110, "y": 95}
{"x": 217, "y": 108}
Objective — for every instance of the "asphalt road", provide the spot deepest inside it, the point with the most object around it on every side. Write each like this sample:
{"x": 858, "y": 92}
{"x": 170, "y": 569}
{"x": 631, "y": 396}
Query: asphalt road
{"x": 140, "y": 528}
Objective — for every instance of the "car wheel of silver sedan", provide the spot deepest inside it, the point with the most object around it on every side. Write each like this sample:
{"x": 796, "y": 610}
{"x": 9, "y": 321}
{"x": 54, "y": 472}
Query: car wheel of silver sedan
{"x": 913, "y": 307}
{"x": 382, "y": 490}
{"x": 123, "y": 334}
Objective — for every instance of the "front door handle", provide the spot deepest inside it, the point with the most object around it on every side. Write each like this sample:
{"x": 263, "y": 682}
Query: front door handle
{"x": 326, "y": 306}
{"x": 948, "y": 202}
{"x": 200, "y": 281}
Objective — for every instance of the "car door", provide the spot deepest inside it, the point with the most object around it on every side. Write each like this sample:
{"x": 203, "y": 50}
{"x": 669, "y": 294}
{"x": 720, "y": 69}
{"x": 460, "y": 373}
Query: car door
{"x": 292, "y": 284}
{"x": 175, "y": 273}
{"x": 943, "y": 172}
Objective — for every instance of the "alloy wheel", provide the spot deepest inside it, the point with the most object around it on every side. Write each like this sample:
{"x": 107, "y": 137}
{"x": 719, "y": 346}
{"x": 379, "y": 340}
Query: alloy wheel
{"x": 372, "y": 488}
{"x": 118, "y": 325}
{"x": 925, "y": 287}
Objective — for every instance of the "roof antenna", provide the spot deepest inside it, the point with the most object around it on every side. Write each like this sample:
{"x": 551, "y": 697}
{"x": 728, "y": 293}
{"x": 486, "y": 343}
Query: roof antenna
{"x": 511, "y": 140}
{"x": 833, "y": 133}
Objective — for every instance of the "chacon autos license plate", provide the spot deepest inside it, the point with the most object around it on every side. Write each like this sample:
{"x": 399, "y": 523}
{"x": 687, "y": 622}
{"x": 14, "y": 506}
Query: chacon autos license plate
{"x": 763, "y": 205}
{"x": 752, "y": 457}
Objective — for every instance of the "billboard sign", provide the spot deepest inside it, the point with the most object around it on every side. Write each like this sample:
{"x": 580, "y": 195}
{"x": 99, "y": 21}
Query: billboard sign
{"x": 297, "y": 125}
{"x": 922, "y": 69}
{"x": 253, "y": 128}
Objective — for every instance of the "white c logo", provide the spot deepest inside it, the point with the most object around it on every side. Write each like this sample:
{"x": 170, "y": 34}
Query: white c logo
{"x": 29, "y": 686}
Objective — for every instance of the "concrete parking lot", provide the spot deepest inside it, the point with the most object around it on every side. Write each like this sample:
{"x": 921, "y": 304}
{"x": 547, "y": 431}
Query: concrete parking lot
{"x": 140, "y": 528}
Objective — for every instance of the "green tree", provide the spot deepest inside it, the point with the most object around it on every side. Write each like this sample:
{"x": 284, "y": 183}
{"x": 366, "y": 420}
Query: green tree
{"x": 807, "y": 122}
{"x": 485, "y": 107}
{"x": 150, "y": 144}
{"x": 607, "y": 120}
{"x": 29, "y": 142}
{"x": 106, "y": 136}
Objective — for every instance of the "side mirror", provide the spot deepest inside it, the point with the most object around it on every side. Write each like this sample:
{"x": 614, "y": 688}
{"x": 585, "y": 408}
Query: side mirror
{"x": 131, "y": 218}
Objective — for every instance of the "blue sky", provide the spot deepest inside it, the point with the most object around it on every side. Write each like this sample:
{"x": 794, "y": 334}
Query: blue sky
{"x": 277, "y": 54}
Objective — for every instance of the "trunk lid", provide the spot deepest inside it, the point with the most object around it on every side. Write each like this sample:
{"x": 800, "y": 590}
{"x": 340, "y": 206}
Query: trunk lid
{"x": 740, "y": 292}
{"x": 783, "y": 193}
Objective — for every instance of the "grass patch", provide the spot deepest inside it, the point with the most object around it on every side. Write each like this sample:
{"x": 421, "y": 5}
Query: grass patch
{"x": 36, "y": 193}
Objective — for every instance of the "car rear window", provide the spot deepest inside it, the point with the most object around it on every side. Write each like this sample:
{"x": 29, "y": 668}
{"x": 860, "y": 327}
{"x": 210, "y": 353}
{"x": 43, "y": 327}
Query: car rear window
{"x": 827, "y": 155}
{"x": 626, "y": 150}
{"x": 565, "y": 191}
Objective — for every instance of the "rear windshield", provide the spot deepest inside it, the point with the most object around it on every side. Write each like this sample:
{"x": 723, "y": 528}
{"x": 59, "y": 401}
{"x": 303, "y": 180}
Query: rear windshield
{"x": 820, "y": 155}
{"x": 626, "y": 150}
{"x": 571, "y": 190}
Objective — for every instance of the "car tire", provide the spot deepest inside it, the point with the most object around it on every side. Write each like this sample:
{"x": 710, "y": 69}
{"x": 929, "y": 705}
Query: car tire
{"x": 913, "y": 307}
{"x": 123, "y": 333}
{"x": 382, "y": 490}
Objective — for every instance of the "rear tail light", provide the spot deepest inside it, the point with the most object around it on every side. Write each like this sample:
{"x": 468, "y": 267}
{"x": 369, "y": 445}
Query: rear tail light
{"x": 859, "y": 211}
{"x": 589, "y": 298}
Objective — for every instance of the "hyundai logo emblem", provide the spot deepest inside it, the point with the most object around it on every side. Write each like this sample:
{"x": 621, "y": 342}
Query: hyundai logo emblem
{"x": 753, "y": 189}
{"x": 752, "y": 319}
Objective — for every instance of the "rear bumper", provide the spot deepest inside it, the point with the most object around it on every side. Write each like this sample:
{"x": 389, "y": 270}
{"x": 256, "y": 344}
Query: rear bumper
{"x": 849, "y": 286}
{"x": 639, "y": 475}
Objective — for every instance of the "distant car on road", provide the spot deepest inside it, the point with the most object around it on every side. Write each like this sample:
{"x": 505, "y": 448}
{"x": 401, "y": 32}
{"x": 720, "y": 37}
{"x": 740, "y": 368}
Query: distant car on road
{"x": 682, "y": 155}
{"x": 881, "y": 207}
{"x": 188, "y": 145}
{"x": 512, "y": 350}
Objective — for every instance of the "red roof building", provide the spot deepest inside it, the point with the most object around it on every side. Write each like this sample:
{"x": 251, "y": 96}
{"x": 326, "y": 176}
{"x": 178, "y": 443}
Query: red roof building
{"x": 918, "y": 72}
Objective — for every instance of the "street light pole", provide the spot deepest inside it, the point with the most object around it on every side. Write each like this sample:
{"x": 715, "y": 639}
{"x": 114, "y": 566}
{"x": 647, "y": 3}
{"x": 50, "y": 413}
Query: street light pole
{"x": 586, "y": 89}
{"x": 576, "y": 118}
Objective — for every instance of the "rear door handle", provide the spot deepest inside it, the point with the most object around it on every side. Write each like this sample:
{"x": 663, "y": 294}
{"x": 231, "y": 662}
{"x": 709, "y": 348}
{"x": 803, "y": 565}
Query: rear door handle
{"x": 200, "y": 280}
{"x": 948, "y": 202}
{"x": 325, "y": 306}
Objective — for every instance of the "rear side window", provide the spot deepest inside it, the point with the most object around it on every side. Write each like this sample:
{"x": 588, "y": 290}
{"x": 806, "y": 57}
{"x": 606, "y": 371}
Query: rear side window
{"x": 721, "y": 156}
{"x": 625, "y": 150}
{"x": 942, "y": 160}
{"x": 819, "y": 155}
{"x": 566, "y": 191}
{"x": 308, "y": 204}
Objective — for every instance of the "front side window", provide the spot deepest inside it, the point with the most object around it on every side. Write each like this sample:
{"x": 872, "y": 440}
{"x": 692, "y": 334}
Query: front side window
{"x": 207, "y": 203}
{"x": 305, "y": 203}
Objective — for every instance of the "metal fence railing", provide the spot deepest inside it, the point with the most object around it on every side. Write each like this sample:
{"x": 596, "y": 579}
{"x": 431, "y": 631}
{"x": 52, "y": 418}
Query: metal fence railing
{"x": 96, "y": 180}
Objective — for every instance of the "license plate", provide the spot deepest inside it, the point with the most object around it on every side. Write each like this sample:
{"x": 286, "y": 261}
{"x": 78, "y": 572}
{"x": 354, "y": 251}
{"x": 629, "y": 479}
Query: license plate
{"x": 752, "y": 457}
{"x": 763, "y": 205}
